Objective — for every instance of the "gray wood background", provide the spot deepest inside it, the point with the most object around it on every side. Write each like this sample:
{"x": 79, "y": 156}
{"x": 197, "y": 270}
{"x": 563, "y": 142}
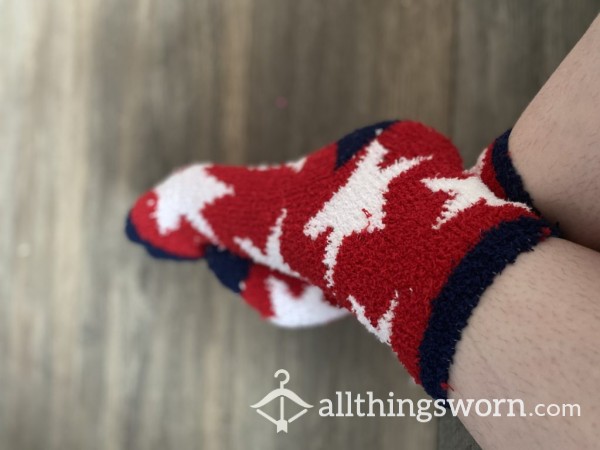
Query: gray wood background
{"x": 104, "y": 348}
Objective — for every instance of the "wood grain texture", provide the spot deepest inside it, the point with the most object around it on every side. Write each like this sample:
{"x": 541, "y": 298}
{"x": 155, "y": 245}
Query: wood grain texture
{"x": 505, "y": 51}
{"x": 102, "y": 347}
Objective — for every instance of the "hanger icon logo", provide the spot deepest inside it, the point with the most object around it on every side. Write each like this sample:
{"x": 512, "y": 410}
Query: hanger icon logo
{"x": 282, "y": 394}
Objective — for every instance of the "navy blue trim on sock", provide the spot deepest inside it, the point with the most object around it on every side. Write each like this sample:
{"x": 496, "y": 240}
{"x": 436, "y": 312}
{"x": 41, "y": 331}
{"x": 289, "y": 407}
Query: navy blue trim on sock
{"x": 230, "y": 269}
{"x": 155, "y": 252}
{"x": 352, "y": 143}
{"x": 506, "y": 173}
{"x": 451, "y": 310}
{"x": 508, "y": 177}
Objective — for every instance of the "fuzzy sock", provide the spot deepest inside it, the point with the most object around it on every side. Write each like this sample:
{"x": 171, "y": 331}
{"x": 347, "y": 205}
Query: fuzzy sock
{"x": 384, "y": 222}
{"x": 292, "y": 303}
{"x": 495, "y": 168}
{"x": 280, "y": 299}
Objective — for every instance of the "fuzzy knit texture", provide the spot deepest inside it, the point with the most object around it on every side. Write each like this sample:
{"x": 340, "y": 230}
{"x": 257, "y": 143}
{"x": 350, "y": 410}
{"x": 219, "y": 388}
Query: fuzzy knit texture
{"x": 383, "y": 223}
{"x": 496, "y": 169}
{"x": 280, "y": 299}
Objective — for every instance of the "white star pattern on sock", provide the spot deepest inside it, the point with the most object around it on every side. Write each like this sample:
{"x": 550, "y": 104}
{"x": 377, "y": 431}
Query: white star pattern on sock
{"x": 358, "y": 205}
{"x": 296, "y": 166}
{"x": 309, "y": 308}
{"x": 272, "y": 256}
{"x": 186, "y": 194}
{"x": 383, "y": 330}
{"x": 476, "y": 169}
{"x": 463, "y": 194}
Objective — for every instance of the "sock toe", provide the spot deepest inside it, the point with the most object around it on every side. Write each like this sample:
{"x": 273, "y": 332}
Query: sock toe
{"x": 141, "y": 228}
{"x": 156, "y": 252}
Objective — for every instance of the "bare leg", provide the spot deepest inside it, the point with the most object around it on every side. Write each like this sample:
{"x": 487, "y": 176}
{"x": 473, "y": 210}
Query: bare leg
{"x": 555, "y": 144}
{"x": 534, "y": 336}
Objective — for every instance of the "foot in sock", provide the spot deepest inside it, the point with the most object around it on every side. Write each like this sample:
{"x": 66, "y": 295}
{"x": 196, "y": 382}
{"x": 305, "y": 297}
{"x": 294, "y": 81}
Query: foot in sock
{"x": 280, "y": 299}
{"x": 385, "y": 222}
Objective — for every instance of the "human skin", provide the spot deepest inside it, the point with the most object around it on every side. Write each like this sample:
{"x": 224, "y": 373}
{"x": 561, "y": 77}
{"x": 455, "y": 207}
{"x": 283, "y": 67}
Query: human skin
{"x": 555, "y": 144}
{"x": 534, "y": 335}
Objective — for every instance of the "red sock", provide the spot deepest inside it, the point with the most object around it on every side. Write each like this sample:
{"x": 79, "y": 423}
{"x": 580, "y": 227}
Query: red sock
{"x": 385, "y": 222}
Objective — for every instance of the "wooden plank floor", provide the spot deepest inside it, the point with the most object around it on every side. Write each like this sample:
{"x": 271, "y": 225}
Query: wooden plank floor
{"x": 104, "y": 348}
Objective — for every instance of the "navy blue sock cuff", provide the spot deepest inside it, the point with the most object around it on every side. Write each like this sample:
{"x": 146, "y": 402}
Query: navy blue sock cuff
{"x": 506, "y": 174}
{"x": 451, "y": 310}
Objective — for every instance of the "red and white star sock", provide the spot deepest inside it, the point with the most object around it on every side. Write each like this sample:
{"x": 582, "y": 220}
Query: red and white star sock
{"x": 384, "y": 222}
{"x": 281, "y": 299}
